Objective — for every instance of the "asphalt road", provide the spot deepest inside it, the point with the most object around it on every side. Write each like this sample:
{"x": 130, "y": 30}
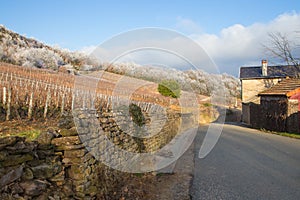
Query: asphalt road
{"x": 247, "y": 164}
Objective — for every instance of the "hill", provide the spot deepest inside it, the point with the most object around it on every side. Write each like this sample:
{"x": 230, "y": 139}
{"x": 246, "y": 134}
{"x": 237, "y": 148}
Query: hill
{"x": 20, "y": 50}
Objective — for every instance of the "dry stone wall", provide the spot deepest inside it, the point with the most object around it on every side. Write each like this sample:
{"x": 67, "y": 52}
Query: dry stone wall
{"x": 53, "y": 166}
{"x": 57, "y": 166}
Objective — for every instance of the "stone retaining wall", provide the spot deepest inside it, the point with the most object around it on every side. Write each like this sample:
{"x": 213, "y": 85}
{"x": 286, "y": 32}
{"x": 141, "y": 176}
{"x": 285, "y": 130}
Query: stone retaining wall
{"x": 53, "y": 166}
{"x": 57, "y": 166}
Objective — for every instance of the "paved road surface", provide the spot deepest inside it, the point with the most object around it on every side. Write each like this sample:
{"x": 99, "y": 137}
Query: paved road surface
{"x": 247, "y": 164}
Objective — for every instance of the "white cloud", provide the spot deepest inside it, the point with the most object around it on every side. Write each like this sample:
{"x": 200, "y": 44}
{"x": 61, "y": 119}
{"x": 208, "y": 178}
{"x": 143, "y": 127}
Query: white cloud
{"x": 242, "y": 45}
{"x": 233, "y": 47}
{"x": 154, "y": 45}
{"x": 187, "y": 25}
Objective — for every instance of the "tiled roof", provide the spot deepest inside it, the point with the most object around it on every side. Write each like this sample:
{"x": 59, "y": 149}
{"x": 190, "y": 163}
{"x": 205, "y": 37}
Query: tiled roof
{"x": 286, "y": 87}
{"x": 273, "y": 71}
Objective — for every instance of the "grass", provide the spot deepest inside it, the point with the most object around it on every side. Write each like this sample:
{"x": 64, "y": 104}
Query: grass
{"x": 140, "y": 175}
{"x": 207, "y": 104}
{"x": 29, "y": 134}
{"x": 291, "y": 135}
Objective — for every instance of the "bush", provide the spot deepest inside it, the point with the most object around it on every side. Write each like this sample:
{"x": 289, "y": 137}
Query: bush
{"x": 136, "y": 113}
{"x": 207, "y": 104}
{"x": 169, "y": 88}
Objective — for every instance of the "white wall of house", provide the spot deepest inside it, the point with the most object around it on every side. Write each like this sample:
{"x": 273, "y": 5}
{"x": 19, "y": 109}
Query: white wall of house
{"x": 251, "y": 87}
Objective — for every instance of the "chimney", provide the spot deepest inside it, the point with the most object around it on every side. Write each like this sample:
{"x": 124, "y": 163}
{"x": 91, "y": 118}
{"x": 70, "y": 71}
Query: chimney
{"x": 264, "y": 67}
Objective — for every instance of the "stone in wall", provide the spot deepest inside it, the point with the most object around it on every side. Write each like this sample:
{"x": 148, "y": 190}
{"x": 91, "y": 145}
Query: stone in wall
{"x": 59, "y": 166}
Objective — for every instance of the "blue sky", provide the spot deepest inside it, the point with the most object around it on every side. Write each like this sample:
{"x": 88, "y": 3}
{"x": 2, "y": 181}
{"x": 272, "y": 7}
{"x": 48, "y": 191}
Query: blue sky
{"x": 77, "y": 24}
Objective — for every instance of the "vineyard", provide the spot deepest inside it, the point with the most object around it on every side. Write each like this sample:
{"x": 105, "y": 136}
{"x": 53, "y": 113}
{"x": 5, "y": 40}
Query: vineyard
{"x": 30, "y": 93}
{"x": 71, "y": 157}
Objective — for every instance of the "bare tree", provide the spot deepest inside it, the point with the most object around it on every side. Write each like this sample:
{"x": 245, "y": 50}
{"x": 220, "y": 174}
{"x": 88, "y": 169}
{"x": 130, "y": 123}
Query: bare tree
{"x": 280, "y": 47}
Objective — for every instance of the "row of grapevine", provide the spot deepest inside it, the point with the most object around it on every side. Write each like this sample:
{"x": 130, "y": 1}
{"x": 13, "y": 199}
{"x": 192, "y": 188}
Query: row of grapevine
{"x": 33, "y": 93}
{"x": 23, "y": 98}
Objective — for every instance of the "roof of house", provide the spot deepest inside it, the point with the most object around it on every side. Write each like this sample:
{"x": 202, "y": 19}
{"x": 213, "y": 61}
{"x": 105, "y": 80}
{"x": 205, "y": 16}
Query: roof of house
{"x": 280, "y": 71}
{"x": 286, "y": 87}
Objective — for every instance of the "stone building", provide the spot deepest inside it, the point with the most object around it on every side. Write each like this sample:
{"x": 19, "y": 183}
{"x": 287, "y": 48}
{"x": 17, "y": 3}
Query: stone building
{"x": 257, "y": 79}
{"x": 279, "y": 107}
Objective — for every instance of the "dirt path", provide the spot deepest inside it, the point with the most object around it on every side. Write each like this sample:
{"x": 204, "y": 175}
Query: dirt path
{"x": 174, "y": 186}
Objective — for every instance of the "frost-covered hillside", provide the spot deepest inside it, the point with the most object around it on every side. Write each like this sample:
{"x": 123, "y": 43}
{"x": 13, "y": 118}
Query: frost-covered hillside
{"x": 23, "y": 51}
{"x": 20, "y": 50}
{"x": 191, "y": 80}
